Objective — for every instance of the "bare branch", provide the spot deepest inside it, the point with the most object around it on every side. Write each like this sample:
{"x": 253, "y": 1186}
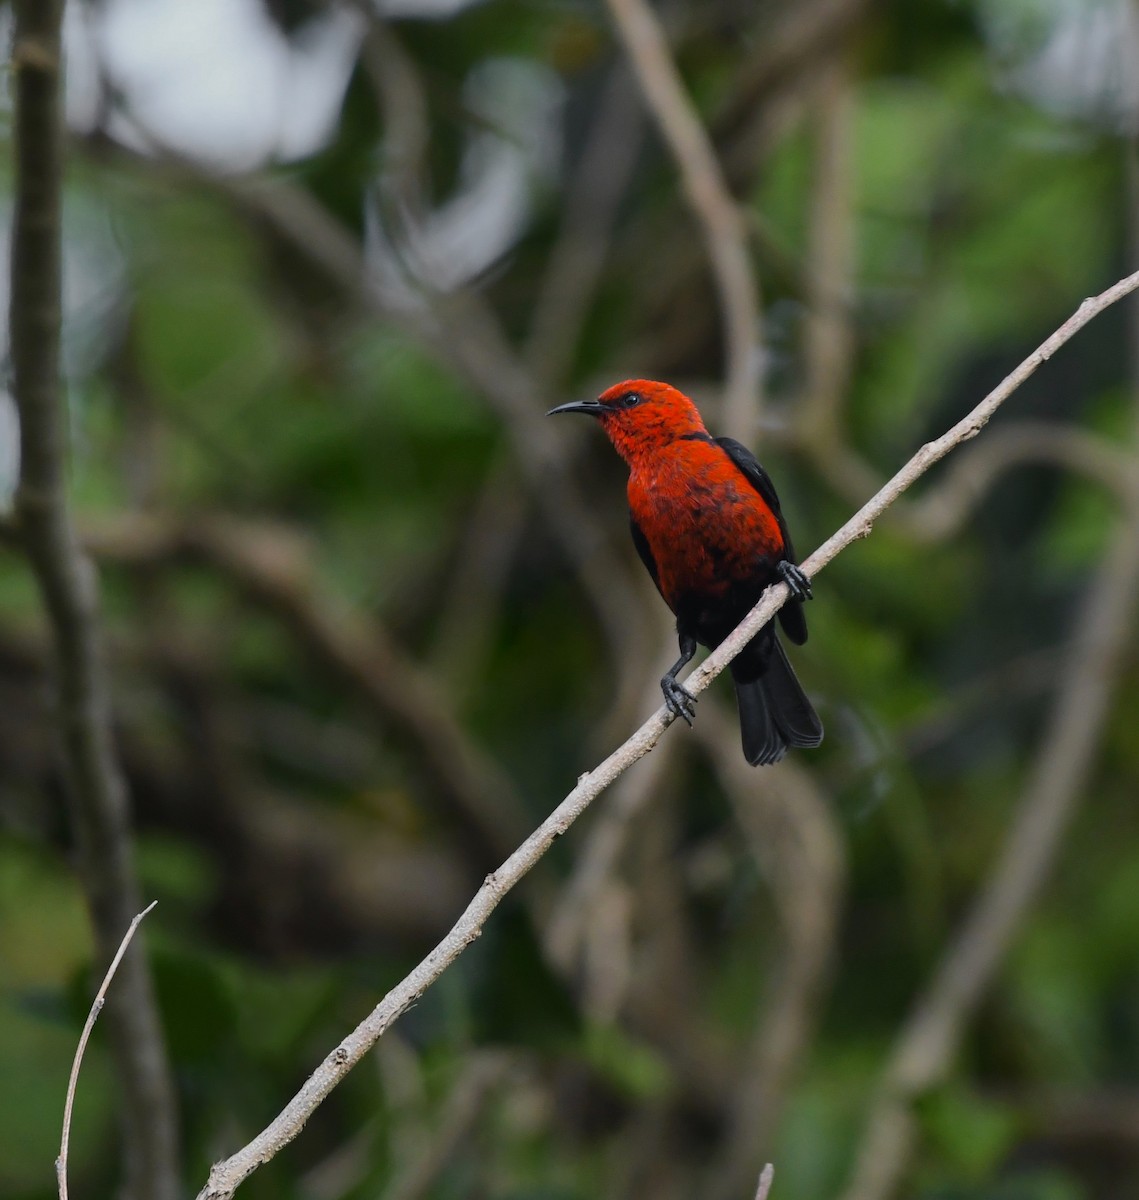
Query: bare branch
{"x": 95, "y": 787}
{"x": 226, "y": 1176}
{"x": 722, "y": 224}
{"x": 80, "y": 1050}
{"x": 862, "y": 523}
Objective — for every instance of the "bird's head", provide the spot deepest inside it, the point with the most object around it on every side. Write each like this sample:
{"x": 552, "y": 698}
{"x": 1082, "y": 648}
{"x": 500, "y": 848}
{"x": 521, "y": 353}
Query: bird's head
{"x": 640, "y": 416}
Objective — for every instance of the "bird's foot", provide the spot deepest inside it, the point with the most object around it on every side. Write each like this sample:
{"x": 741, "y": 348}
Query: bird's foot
{"x": 796, "y": 581}
{"x": 678, "y": 699}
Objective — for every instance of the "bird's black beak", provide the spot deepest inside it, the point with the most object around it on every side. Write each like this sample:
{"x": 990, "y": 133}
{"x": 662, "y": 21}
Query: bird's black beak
{"x": 592, "y": 408}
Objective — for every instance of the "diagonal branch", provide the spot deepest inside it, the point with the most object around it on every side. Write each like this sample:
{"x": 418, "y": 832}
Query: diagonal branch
{"x": 95, "y": 787}
{"x": 226, "y": 1176}
{"x": 722, "y": 224}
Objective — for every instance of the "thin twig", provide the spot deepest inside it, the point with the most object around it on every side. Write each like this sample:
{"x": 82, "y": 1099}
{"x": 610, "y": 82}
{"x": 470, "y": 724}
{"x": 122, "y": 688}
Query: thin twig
{"x": 227, "y": 1175}
{"x": 724, "y": 229}
{"x": 80, "y": 1050}
{"x": 862, "y": 523}
{"x": 766, "y": 1178}
{"x": 95, "y": 787}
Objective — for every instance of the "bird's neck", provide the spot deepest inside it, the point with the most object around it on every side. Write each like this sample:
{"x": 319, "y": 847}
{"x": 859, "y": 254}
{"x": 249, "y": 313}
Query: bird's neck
{"x": 644, "y": 448}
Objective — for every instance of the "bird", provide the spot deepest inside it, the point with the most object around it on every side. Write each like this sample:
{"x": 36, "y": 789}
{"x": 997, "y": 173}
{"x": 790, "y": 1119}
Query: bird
{"x": 706, "y": 522}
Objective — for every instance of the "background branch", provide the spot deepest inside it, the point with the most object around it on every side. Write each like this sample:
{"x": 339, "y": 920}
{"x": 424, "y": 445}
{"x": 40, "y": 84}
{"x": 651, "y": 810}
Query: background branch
{"x": 272, "y": 568}
{"x": 722, "y": 224}
{"x": 67, "y": 583}
{"x": 798, "y": 846}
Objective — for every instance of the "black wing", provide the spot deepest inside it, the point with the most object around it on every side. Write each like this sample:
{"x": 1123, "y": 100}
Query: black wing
{"x": 791, "y": 615}
{"x": 642, "y": 544}
{"x": 761, "y": 481}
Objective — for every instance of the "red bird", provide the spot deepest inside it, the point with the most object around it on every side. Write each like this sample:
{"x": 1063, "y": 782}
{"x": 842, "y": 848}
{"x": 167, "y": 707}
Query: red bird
{"x": 707, "y": 525}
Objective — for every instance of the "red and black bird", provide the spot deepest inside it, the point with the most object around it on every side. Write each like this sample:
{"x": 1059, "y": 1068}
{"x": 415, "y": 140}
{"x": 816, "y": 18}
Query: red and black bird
{"x": 707, "y": 524}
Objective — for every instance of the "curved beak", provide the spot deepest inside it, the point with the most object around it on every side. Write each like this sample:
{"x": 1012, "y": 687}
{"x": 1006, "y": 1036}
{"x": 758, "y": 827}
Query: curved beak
{"x": 592, "y": 408}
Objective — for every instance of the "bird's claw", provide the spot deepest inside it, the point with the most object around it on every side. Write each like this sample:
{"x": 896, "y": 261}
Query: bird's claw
{"x": 678, "y": 699}
{"x": 798, "y": 583}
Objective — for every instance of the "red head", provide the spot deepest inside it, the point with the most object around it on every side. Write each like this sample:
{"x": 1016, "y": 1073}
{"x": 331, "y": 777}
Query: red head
{"x": 641, "y": 416}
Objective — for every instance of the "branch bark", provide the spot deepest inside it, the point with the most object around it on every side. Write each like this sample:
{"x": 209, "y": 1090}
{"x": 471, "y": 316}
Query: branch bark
{"x": 226, "y": 1176}
{"x": 95, "y": 787}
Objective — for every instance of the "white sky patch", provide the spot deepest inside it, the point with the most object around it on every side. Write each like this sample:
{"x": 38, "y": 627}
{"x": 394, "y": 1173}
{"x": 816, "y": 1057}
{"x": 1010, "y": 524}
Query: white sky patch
{"x": 435, "y": 10}
{"x": 82, "y": 87}
{"x": 1074, "y": 58}
{"x": 515, "y": 149}
{"x": 218, "y": 81}
{"x": 93, "y": 281}
{"x": 9, "y": 451}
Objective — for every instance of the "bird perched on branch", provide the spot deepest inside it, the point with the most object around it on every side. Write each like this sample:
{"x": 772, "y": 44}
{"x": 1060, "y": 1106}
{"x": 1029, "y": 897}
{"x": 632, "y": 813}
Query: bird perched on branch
{"x": 707, "y": 524}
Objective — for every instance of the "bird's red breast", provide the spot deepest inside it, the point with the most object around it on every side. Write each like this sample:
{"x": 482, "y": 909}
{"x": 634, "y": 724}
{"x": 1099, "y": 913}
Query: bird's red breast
{"x": 707, "y": 527}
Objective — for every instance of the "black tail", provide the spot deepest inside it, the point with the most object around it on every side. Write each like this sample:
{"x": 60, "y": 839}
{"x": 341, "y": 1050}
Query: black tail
{"x": 775, "y": 714}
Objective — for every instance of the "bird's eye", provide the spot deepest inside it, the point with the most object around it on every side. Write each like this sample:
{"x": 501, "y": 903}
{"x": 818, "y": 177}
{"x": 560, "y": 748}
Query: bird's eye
{"x": 630, "y": 400}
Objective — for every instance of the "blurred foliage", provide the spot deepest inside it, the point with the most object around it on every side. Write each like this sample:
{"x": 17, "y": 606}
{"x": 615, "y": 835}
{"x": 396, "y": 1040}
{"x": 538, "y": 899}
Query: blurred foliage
{"x": 305, "y": 853}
